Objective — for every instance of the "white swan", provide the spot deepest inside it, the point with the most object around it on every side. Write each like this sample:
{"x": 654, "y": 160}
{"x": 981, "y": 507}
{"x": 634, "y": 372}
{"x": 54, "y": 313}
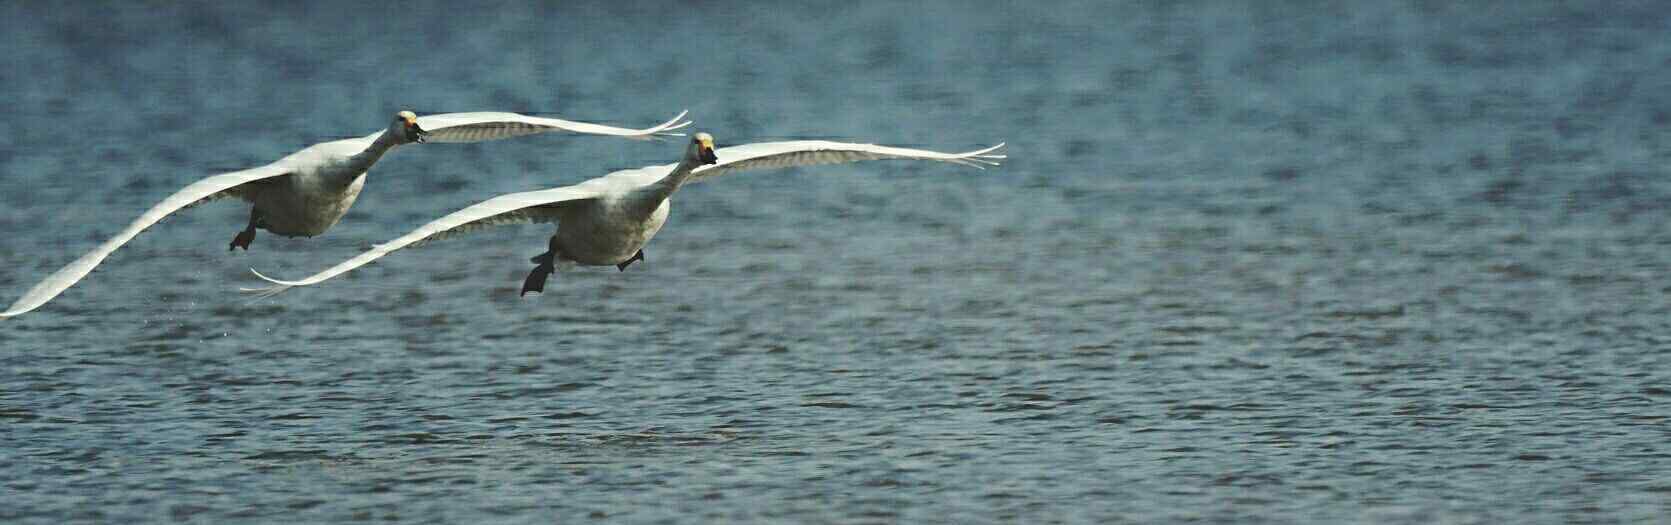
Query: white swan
{"x": 307, "y": 192}
{"x": 607, "y": 220}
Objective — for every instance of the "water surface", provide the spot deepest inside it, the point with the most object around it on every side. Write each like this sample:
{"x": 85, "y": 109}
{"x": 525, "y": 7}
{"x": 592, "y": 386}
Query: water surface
{"x": 1374, "y": 262}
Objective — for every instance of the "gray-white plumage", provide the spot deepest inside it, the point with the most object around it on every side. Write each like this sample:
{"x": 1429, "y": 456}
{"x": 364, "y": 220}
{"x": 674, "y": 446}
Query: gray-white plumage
{"x": 307, "y": 192}
{"x": 608, "y": 220}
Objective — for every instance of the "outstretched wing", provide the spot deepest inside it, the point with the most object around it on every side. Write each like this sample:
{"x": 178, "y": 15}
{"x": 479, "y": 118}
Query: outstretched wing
{"x": 763, "y": 155}
{"x": 546, "y": 205}
{"x": 514, "y": 208}
{"x": 216, "y": 187}
{"x": 484, "y": 126}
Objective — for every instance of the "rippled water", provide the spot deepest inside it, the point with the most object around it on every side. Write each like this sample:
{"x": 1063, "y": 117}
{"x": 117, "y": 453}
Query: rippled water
{"x": 1378, "y": 262}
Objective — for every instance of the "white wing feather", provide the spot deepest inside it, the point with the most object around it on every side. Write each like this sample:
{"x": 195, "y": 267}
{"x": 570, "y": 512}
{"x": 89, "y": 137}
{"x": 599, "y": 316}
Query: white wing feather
{"x": 764, "y": 155}
{"x": 483, "y": 126}
{"x": 218, "y": 186}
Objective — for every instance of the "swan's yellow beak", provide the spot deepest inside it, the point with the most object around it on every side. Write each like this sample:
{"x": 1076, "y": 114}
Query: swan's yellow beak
{"x": 705, "y": 147}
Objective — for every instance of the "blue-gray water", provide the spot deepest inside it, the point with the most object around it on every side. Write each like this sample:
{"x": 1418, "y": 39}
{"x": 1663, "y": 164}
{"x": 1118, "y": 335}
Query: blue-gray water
{"x": 1364, "y": 261}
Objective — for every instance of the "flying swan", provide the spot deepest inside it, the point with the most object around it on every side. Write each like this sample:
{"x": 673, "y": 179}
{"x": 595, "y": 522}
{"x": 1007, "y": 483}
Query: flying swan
{"x": 608, "y": 220}
{"x": 307, "y": 192}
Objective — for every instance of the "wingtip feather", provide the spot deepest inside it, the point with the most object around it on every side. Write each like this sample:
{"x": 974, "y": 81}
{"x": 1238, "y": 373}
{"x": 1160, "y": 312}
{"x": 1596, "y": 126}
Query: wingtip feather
{"x": 982, "y": 157}
{"x": 278, "y": 287}
{"x": 264, "y": 277}
{"x": 677, "y": 122}
{"x": 17, "y": 310}
{"x": 987, "y": 152}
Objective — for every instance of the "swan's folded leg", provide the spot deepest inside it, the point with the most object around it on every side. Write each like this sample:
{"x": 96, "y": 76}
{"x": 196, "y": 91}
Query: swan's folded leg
{"x": 243, "y": 238}
{"x": 550, "y": 255}
{"x": 635, "y": 257}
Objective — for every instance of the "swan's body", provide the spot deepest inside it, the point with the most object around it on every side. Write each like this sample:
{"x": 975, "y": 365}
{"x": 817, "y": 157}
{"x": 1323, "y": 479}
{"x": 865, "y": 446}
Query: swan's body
{"x": 307, "y": 192}
{"x": 320, "y": 184}
{"x": 608, "y": 220}
{"x": 305, "y": 206}
{"x": 608, "y": 230}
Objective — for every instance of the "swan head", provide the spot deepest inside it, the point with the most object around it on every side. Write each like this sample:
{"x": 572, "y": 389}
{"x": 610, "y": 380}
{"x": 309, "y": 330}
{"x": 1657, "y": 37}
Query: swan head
{"x": 405, "y": 128}
{"x": 701, "y": 149}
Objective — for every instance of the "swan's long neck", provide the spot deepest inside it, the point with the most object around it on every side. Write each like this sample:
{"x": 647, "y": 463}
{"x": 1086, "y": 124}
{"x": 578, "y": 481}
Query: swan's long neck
{"x": 363, "y": 160}
{"x": 660, "y": 190}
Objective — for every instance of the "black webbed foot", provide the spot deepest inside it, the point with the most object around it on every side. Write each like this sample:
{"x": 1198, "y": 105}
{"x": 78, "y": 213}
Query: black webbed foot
{"x": 635, "y": 257}
{"x": 536, "y": 279}
{"x": 242, "y": 240}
